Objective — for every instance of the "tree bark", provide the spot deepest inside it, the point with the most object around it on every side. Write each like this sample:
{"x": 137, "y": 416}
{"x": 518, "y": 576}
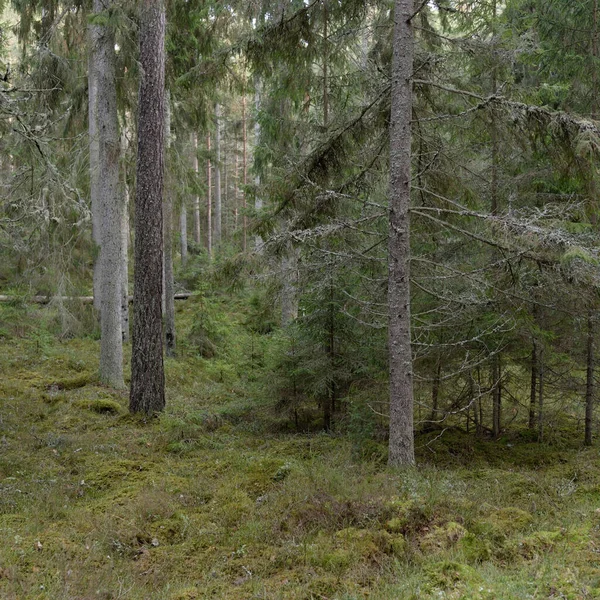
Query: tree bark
{"x": 147, "y": 393}
{"x": 289, "y": 294}
{"x": 196, "y": 197}
{"x": 589, "y": 388}
{"x": 209, "y": 226}
{"x": 496, "y": 395}
{"x": 401, "y": 442}
{"x": 218, "y": 207}
{"x": 108, "y": 201}
{"x": 245, "y": 168}
{"x": 258, "y": 204}
{"x": 541, "y": 395}
{"x": 169, "y": 286}
{"x": 124, "y": 242}
{"x": 533, "y": 385}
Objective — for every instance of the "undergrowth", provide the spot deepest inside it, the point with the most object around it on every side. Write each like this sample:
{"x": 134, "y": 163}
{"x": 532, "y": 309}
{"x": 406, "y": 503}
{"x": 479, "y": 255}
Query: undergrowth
{"x": 217, "y": 499}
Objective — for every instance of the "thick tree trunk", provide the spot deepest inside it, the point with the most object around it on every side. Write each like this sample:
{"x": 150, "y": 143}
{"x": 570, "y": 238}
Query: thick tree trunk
{"x": 94, "y": 33}
{"x": 169, "y": 285}
{"x": 218, "y": 208}
{"x": 401, "y": 443}
{"x": 147, "y": 370}
{"x": 109, "y": 202}
{"x": 197, "y": 197}
{"x": 589, "y": 388}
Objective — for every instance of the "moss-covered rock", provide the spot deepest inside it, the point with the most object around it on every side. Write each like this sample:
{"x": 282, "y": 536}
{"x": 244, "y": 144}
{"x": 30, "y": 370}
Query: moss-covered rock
{"x": 100, "y": 405}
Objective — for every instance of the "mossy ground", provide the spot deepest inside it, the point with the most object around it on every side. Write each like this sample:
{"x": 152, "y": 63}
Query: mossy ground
{"x": 211, "y": 500}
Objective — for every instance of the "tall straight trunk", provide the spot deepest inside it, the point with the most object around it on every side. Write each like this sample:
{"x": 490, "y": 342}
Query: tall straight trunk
{"x": 258, "y": 204}
{"x": 325, "y": 66}
{"x": 594, "y": 59}
{"x": 218, "y": 208}
{"x": 169, "y": 285}
{"x": 225, "y": 208}
{"x": 109, "y": 202}
{"x": 183, "y": 233}
{"x": 401, "y": 442}
{"x": 147, "y": 393}
{"x": 94, "y": 32}
{"x": 541, "y": 382}
{"x": 124, "y": 247}
{"x": 435, "y": 392}
{"x": 533, "y": 384}
{"x": 197, "y": 197}
{"x": 245, "y": 168}
{"x": 209, "y": 225}
{"x": 589, "y": 388}
{"x": 496, "y": 395}
{"x": 236, "y": 188}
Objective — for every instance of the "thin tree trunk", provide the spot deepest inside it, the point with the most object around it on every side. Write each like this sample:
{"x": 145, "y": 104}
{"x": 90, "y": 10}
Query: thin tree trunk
{"x": 589, "y": 388}
{"x": 258, "y": 204}
{"x": 147, "y": 369}
{"x": 218, "y": 208}
{"x": 183, "y": 233}
{"x": 169, "y": 286}
{"x": 533, "y": 385}
{"x": 289, "y": 295}
{"x": 197, "y": 197}
{"x": 496, "y": 395}
{"x": 541, "y": 395}
{"x": 209, "y": 225}
{"x": 245, "y": 168}
{"x": 435, "y": 392}
{"x": 401, "y": 442}
{"x": 109, "y": 203}
{"x": 236, "y": 188}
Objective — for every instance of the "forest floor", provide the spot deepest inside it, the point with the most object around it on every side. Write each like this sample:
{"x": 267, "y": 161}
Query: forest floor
{"x": 211, "y": 501}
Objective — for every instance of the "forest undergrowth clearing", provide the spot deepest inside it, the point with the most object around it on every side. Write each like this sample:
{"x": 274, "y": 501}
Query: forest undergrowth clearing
{"x": 212, "y": 500}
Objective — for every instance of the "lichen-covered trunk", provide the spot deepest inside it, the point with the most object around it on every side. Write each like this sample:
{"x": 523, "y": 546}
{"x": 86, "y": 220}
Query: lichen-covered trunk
{"x": 108, "y": 201}
{"x": 168, "y": 249}
{"x": 401, "y": 442}
{"x": 94, "y": 148}
{"x": 289, "y": 291}
{"x": 147, "y": 393}
{"x": 183, "y": 233}
{"x": 217, "y": 224}
{"x": 124, "y": 240}
{"x": 258, "y": 204}
{"x": 245, "y": 171}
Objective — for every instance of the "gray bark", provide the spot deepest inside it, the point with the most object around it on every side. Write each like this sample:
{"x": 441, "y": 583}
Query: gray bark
{"x": 258, "y": 204}
{"x": 196, "y": 198}
{"x": 401, "y": 442}
{"x": 147, "y": 393}
{"x": 589, "y": 388}
{"x": 217, "y": 223}
{"x": 108, "y": 201}
{"x": 169, "y": 286}
{"x": 94, "y": 32}
{"x": 209, "y": 225}
{"x": 183, "y": 243}
{"x": 124, "y": 248}
{"x": 289, "y": 291}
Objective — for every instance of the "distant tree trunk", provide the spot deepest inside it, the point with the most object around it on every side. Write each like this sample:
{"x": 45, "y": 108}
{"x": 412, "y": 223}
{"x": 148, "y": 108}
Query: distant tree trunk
{"x": 435, "y": 392}
{"x": 169, "y": 285}
{"x": 196, "y": 197}
{"x": 218, "y": 208}
{"x": 236, "y": 188}
{"x": 147, "y": 370}
{"x": 401, "y": 442}
{"x": 209, "y": 225}
{"x": 289, "y": 295}
{"x": 183, "y": 233}
{"x": 589, "y": 389}
{"x": 245, "y": 167}
{"x": 109, "y": 202}
{"x": 496, "y": 395}
{"x": 541, "y": 375}
{"x": 258, "y": 241}
{"x": 533, "y": 386}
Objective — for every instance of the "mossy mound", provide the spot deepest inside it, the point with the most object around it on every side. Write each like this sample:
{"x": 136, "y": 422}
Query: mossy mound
{"x": 442, "y": 538}
{"x": 100, "y": 406}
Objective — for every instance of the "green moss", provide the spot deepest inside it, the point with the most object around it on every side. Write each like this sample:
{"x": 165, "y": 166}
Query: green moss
{"x": 73, "y": 383}
{"x": 449, "y": 575}
{"x": 538, "y": 543}
{"x": 442, "y": 538}
{"x": 503, "y": 522}
{"x": 475, "y": 548}
{"x": 100, "y": 405}
{"x": 188, "y": 593}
